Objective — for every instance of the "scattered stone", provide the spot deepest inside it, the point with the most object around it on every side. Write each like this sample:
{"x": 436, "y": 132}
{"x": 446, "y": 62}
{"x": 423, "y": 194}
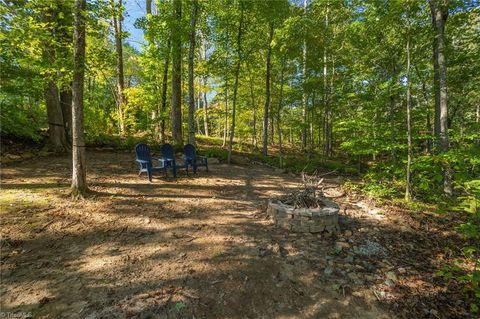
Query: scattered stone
{"x": 348, "y": 233}
{"x": 328, "y": 271}
{"x": 342, "y": 245}
{"x": 371, "y": 248}
{"x": 402, "y": 270}
{"x": 390, "y": 283}
{"x": 392, "y": 276}
{"x": 147, "y": 220}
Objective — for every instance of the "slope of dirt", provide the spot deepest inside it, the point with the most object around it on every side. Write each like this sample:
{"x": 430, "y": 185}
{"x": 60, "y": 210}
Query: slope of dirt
{"x": 195, "y": 247}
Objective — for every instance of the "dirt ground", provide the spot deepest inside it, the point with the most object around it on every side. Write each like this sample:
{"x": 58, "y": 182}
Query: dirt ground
{"x": 202, "y": 247}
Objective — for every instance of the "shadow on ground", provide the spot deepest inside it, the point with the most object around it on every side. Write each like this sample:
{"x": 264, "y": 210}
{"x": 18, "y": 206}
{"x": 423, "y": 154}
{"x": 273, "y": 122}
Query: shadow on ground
{"x": 197, "y": 247}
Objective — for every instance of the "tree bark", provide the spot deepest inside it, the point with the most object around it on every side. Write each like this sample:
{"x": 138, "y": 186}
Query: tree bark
{"x": 148, "y": 6}
{"x": 254, "y": 106}
{"x": 191, "y": 88}
{"x": 176, "y": 107}
{"x": 304, "y": 93}
{"x": 408, "y": 190}
{"x": 57, "y": 139}
{"x": 225, "y": 117}
{"x": 117, "y": 25}
{"x": 267, "y": 94}
{"x": 203, "y": 52}
{"x": 205, "y": 108}
{"x": 235, "y": 86}
{"x": 79, "y": 176}
{"x": 163, "y": 106}
{"x": 439, "y": 9}
{"x": 66, "y": 106}
{"x": 279, "y": 115}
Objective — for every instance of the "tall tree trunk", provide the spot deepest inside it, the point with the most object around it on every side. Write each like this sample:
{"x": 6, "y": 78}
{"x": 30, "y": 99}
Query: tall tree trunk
{"x": 66, "y": 106}
{"x": 304, "y": 93}
{"x": 326, "y": 100}
{"x": 254, "y": 106}
{"x": 163, "y": 106}
{"x": 391, "y": 112}
{"x": 225, "y": 117}
{"x": 65, "y": 39}
{"x": 205, "y": 108}
{"x": 235, "y": 86}
{"x": 203, "y": 52}
{"x": 176, "y": 107}
{"x": 148, "y": 6}
{"x": 279, "y": 115}
{"x": 57, "y": 139}
{"x": 79, "y": 175}
{"x": 408, "y": 190}
{"x": 117, "y": 25}
{"x": 439, "y": 9}
{"x": 267, "y": 94}
{"x": 311, "y": 130}
{"x": 191, "y": 88}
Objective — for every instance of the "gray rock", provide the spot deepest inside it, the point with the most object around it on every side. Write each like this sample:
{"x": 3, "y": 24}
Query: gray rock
{"x": 390, "y": 283}
{"x": 328, "y": 271}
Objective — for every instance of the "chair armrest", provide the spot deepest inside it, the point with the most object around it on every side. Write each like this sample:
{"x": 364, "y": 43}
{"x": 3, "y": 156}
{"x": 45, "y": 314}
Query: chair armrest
{"x": 141, "y": 161}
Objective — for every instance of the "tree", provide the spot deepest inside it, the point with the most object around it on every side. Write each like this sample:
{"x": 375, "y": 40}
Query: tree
{"x": 120, "y": 94}
{"x": 176, "y": 107}
{"x": 267, "y": 93}
{"x": 79, "y": 177}
{"x": 408, "y": 186}
{"x": 439, "y": 10}
{"x": 191, "y": 77}
{"x": 235, "y": 85}
{"x": 58, "y": 139}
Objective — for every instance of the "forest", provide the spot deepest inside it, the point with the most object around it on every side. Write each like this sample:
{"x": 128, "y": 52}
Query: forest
{"x": 378, "y": 101}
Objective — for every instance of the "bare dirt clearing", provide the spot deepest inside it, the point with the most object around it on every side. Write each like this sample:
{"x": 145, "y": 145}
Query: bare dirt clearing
{"x": 197, "y": 247}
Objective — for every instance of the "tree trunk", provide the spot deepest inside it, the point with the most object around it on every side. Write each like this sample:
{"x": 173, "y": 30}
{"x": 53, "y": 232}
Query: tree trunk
{"x": 191, "y": 88}
{"x": 56, "y": 131}
{"x": 176, "y": 107}
{"x": 117, "y": 25}
{"x": 254, "y": 106}
{"x": 163, "y": 106}
{"x": 148, "y": 6}
{"x": 391, "y": 112}
{"x": 235, "y": 86}
{"x": 79, "y": 175}
{"x": 203, "y": 94}
{"x": 225, "y": 118}
{"x": 279, "y": 115}
{"x": 408, "y": 191}
{"x": 304, "y": 93}
{"x": 326, "y": 100}
{"x": 439, "y": 9}
{"x": 205, "y": 109}
{"x": 66, "y": 106}
{"x": 267, "y": 94}
{"x": 57, "y": 139}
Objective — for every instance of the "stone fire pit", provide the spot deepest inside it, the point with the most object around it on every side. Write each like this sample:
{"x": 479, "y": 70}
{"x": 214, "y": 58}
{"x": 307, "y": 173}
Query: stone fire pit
{"x": 305, "y": 220}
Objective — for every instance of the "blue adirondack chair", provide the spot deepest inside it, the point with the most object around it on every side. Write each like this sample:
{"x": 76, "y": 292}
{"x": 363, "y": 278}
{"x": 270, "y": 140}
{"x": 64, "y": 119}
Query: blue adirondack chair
{"x": 168, "y": 158}
{"x": 192, "y": 159}
{"x": 144, "y": 160}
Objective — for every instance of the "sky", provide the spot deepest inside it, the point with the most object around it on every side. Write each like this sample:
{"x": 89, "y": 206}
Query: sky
{"x": 134, "y": 9}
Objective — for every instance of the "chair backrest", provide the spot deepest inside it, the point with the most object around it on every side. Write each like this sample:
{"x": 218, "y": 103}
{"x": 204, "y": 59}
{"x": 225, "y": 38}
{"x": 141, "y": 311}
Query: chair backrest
{"x": 142, "y": 151}
{"x": 167, "y": 151}
{"x": 190, "y": 151}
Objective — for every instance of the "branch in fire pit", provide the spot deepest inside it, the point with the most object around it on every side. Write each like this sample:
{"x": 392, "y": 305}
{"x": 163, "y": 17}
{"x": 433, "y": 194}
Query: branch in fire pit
{"x": 311, "y": 196}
